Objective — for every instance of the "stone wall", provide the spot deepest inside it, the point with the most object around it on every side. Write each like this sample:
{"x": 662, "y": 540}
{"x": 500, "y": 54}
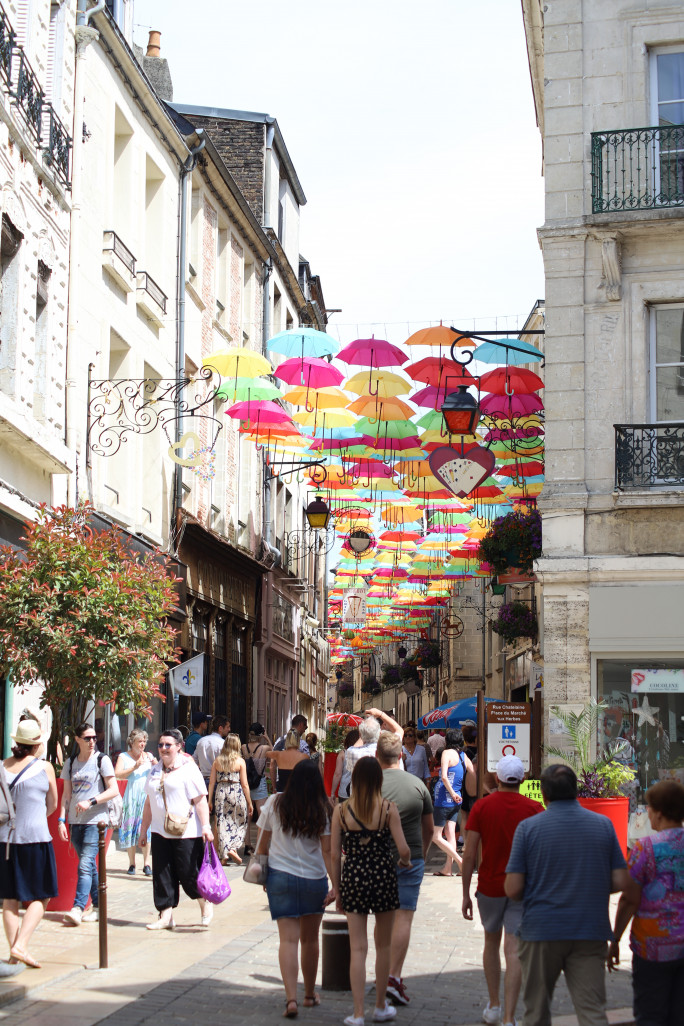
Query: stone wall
{"x": 241, "y": 146}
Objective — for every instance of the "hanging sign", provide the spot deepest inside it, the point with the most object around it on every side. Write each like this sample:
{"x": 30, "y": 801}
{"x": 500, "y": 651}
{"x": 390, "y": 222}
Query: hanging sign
{"x": 508, "y": 732}
{"x": 188, "y": 678}
{"x": 657, "y": 680}
{"x": 461, "y": 473}
{"x": 354, "y": 608}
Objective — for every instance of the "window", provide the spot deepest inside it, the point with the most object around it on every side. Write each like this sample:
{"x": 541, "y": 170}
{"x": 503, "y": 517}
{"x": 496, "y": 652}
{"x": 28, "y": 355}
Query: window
{"x": 10, "y": 242}
{"x": 40, "y": 375}
{"x": 54, "y": 71}
{"x": 222, "y": 275}
{"x": 667, "y": 362}
{"x": 121, "y": 192}
{"x": 667, "y": 101}
{"x": 247, "y": 300}
{"x": 154, "y": 219}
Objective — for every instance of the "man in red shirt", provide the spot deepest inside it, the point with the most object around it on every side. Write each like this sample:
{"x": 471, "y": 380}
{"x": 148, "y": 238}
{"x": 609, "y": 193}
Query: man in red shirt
{"x": 492, "y": 822}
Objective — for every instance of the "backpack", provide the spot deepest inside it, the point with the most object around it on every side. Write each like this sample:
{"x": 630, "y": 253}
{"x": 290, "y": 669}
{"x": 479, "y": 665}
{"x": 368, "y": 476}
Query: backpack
{"x": 253, "y": 776}
{"x": 114, "y": 805}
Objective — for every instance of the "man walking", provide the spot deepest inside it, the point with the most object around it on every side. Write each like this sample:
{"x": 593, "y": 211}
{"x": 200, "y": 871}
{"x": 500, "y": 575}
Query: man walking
{"x": 209, "y": 747}
{"x": 200, "y": 725}
{"x": 415, "y": 809}
{"x": 492, "y": 823}
{"x": 563, "y": 867}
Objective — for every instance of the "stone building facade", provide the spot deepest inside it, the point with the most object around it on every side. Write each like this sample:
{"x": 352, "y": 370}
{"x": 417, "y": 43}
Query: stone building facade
{"x": 613, "y": 246}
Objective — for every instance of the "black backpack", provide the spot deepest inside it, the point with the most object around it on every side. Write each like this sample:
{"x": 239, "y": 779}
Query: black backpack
{"x": 253, "y": 776}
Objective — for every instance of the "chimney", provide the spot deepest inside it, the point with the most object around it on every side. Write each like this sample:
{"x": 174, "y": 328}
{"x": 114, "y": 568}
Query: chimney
{"x": 153, "y": 48}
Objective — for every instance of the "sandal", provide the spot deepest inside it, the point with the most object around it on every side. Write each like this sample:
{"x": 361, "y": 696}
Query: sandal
{"x": 290, "y": 1013}
{"x": 311, "y": 1000}
{"x": 22, "y": 956}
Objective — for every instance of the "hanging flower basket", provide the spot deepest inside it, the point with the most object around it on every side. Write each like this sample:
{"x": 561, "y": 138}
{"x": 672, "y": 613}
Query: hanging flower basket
{"x": 345, "y": 689}
{"x": 497, "y": 587}
{"x": 515, "y": 620}
{"x": 371, "y": 686}
{"x": 391, "y": 676}
{"x": 514, "y": 540}
{"x": 427, "y": 654}
{"x": 408, "y": 672}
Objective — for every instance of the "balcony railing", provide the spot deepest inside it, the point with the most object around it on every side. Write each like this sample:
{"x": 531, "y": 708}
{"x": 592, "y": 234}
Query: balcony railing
{"x": 29, "y": 96}
{"x": 637, "y": 169}
{"x": 7, "y": 38}
{"x": 649, "y": 455}
{"x": 114, "y": 243}
{"x": 58, "y": 148}
{"x": 150, "y": 286}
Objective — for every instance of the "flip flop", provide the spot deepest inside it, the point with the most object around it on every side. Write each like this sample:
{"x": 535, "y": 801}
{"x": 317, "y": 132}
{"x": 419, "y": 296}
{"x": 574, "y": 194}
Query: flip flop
{"x": 22, "y": 956}
{"x": 447, "y": 875}
{"x": 312, "y": 1000}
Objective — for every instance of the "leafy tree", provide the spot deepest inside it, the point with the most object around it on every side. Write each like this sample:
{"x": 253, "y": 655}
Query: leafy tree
{"x": 84, "y": 615}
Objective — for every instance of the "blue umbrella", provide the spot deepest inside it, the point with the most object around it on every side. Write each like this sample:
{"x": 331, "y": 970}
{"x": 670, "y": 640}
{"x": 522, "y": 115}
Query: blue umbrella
{"x": 302, "y": 342}
{"x": 452, "y": 714}
{"x": 501, "y": 352}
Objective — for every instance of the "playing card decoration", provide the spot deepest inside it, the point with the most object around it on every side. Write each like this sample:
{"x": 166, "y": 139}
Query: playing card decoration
{"x": 461, "y": 473}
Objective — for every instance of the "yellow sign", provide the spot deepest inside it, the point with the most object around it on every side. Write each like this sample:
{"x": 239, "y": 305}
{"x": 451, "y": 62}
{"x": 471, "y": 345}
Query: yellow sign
{"x": 193, "y": 460}
{"x": 532, "y": 789}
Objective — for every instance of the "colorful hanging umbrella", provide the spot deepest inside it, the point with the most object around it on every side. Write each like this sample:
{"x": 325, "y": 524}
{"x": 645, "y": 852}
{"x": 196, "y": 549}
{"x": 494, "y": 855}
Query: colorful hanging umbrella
{"x": 440, "y": 371}
{"x": 507, "y": 350}
{"x": 310, "y": 372}
{"x": 327, "y": 398}
{"x": 233, "y": 363}
{"x": 372, "y": 352}
{"x": 302, "y": 342}
{"x": 376, "y": 408}
{"x": 383, "y": 383}
{"x": 262, "y": 411}
{"x": 237, "y": 390}
{"x": 437, "y": 335}
{"x": 509, "y": 379}
{"x": 510, "y": 405}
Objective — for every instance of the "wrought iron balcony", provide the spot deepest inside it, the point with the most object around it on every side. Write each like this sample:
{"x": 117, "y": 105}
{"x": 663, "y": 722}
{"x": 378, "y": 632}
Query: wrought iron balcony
{"x": 113, "y": 242}
{"x": 58, "y": 149}
{"x": 649, "y": 455}
{"x": 29, "y": 96}
{"x": 150, "y": 286}
{"x": 7, "y": 38}
{"x": 637, "y": 169}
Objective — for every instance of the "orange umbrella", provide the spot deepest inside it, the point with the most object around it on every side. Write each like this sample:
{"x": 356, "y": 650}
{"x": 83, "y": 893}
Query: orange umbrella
{"x": 381, "y": 409}
{"x": 438, "y": 335}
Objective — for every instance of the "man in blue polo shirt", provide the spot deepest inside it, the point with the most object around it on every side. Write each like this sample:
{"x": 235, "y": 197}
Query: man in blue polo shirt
{"x": 564, "y": 866}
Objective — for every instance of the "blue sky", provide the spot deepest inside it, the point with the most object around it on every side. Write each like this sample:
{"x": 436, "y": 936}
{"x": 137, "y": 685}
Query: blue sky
{"x": 413, "y": 133}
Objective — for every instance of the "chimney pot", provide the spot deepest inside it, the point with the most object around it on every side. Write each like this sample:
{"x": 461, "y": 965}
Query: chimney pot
{"x": 153, "y": 48}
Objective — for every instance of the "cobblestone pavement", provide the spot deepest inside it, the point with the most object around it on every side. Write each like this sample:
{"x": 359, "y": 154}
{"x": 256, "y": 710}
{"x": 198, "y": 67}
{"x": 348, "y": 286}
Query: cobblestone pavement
{"x": 229, "y": 974}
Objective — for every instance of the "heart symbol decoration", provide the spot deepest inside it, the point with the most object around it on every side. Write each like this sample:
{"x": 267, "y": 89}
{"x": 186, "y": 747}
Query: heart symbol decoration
{"x": 460, "y": 473}
{"x": 189, "y": 438}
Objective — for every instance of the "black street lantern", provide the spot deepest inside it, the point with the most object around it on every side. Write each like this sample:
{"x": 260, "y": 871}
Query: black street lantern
{"x": 338, "y": 674}
{"x": 461, "y": 412}
{"x": 318, "y": 514}
{"x": 401, "y": 652}
{"x": 359, "y": 541}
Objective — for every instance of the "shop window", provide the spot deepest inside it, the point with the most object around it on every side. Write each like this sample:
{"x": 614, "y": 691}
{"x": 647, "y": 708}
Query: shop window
{"x": 645, "y": 710}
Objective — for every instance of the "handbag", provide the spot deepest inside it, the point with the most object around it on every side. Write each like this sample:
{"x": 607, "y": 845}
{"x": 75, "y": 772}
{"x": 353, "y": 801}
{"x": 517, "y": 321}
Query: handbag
{"x": 173, "y": 824}
{"x": 256, "y": 870}
{"x": 211, "y": 880}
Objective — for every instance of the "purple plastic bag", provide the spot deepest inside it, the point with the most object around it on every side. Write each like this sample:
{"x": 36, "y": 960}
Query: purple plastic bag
{"x": 211, "y": 880}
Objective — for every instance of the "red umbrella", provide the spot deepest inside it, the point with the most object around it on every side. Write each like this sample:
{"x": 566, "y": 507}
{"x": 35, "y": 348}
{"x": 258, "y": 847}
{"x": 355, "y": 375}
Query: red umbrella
{"x": 345, "y": 719}
{"x": 310, "y": 371}
{"x": 531, "y": 469}
{"x": 510, "y": 405}
{"x": 435, "y": 370}
{"x": 372, "y": 352}
{"x": 262, "y": 411}
{"x": 506, "y": 380}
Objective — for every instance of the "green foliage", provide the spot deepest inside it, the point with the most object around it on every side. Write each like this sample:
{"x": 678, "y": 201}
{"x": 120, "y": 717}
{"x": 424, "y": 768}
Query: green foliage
{"x": 334, "y": 737}
{"x": 516, "y": 536}
{"x": 84, "y": 615}
{"x": 602, "y": 777}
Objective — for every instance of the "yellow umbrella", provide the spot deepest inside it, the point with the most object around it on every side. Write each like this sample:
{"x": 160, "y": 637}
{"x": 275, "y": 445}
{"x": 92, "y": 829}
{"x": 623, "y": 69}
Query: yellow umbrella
{"x": 386, "y": 383}
{"x": 381, "y": 409}
{"x": 323, "y": 398}
{"x": 232, "y": 363}
{"x": 325, "y": 418}
{"x": 398, "y": 513}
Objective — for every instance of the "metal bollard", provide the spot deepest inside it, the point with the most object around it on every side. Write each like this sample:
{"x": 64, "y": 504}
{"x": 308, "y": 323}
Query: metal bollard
{"x": 102, "y": 892}
{"x": 336, "y": 954}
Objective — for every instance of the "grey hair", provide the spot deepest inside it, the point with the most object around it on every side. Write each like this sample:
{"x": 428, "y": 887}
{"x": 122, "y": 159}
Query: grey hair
{"x": 369, "y": 729}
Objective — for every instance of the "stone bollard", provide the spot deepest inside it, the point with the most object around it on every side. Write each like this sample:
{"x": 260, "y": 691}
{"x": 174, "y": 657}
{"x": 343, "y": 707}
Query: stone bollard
{"x": 336, "y": 953}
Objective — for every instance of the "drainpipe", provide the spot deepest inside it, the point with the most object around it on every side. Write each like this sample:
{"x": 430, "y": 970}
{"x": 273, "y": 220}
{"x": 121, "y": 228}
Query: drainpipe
{"x": 186, "y": 169}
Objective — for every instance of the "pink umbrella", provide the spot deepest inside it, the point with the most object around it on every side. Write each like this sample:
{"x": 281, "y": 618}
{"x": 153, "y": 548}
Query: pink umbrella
{"x": 309, "y": 371}
{"x": 392, "y": 444}
{"x": 510, "y": 405}
{"x": 506, "y": 380}
{"x": 431, "y": 396}
{"x": 261, "y": 411}
{"x": 372, "y": 352}
{"x": 506, "y": 434}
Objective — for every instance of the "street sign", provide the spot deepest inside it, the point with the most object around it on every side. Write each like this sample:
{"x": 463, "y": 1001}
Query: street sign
{"x": 508, "y": 732}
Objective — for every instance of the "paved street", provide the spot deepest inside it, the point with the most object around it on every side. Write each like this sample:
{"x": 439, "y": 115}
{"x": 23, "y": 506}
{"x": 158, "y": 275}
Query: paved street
{"x": 229, "y": 973}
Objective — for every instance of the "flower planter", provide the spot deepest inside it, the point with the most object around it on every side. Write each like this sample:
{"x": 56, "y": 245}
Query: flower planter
{"x": 515, "y": 576}
{"x": 498, "y": 589}
{"x": 329, "y": 764}
{"x": 617, "y": 811}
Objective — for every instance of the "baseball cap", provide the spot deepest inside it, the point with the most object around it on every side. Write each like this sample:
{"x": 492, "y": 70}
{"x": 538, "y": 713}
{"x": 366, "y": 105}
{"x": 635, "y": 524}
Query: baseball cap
{"x": 510, "y": 770}
{"x": 200, "y": 717}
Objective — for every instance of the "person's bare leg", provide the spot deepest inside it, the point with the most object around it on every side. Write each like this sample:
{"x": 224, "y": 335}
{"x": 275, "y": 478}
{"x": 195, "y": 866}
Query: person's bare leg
{"x": 491, "y": 961}
{"x": 11, "y": 922}
{"x": 449, "y": 849}
{"x": 512, "y": 977}
{"x": 358, "y": 942}
{"x": 383, "y": 945}
{"x": 32, "y": 916}
{"x": 308, "y": 936}
{"x": 401, "y": 935}
{"x": 131, "y": 856}
{"x": 288, "y": 955}
{"x": 146, "y": 854}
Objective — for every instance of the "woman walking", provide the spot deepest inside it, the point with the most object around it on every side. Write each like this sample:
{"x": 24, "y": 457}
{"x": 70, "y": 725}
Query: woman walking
{"x": 415, "y": 755}
{"x": 314, "y": 754}
{"x": 287, "y": 759}
{"x": 294, "y": 829}
{"x": 229, "y": 799}
{"x": 656, "y": 900}
{"x": 367, "y": 883}
{"x": 339, "y": 788}
{"x": 134, "y": 766}
{"x": 455, "y": 773}
{"x": 176, "y": 797}
{"x": 257, "y": 745}
{"x": 28, "y": 873}
{"x": 89, "y": 783}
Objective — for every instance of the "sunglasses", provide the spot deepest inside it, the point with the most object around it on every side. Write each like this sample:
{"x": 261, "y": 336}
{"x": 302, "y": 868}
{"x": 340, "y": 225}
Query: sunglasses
{"x": 168, "y": 744}
{"x": 89, "y": 738}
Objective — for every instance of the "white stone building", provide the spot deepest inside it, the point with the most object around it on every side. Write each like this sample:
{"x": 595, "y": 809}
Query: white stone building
{"x": 613, "y": 245}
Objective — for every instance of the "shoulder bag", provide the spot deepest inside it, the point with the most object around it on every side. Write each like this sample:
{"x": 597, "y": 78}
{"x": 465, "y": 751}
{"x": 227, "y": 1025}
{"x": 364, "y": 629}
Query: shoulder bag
{"x": 256, "y": 870}
{"x": 173, "y": 824}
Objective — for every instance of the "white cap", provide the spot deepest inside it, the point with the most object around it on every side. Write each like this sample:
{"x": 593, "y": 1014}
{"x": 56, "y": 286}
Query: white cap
{"x": 510, "y": 770}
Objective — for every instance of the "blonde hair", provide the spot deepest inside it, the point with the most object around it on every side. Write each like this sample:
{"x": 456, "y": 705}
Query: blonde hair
{"x": 135, "y": 734}
{"x": 292, "y": 739}
{"x": 229, "y": 756}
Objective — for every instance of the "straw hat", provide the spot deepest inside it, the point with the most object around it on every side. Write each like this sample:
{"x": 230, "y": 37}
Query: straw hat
{"x": 27, "y": 733}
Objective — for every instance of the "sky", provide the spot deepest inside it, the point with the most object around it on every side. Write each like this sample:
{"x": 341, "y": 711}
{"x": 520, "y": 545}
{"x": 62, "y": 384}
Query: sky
{"x": 412, "y": 130}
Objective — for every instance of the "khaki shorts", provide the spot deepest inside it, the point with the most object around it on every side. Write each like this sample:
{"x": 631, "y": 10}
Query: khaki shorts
{"x": 496, "y": 913}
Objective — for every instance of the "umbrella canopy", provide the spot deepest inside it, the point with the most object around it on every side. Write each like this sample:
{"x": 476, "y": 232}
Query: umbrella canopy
{"x": 238, "y": 390}
{"x": 302, "y": 342}
{"x": 436, "y": 371}
{"x": 383, "y": 384}
{"x": 327, "y": 398}
{"x": 345, "y": 719}
{"x": 263, "y": 411}
{"x": 311, "y": 373}
{"x": 505, "y": 380}
{"x": 452, "y": 714}
{"x": 233, "y": 363}
{"x": 376, "y": 408}
{"x": 510, "y": 405}
{"x": 437, "y": 335}
{"x": 511, "y": 349}
{"x": 372, "y": 352}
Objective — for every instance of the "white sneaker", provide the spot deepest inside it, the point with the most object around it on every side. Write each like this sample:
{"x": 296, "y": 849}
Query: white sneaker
{"x": 384, "y": 1014}
{"x": 208, "y": 914}
{"x": 514, "y": 1023}
{"x": 354, "y": 1020}
{"x": 74, "y": 917}
{"x": 492, "y": 1015}
{"x": 91, "y": 916}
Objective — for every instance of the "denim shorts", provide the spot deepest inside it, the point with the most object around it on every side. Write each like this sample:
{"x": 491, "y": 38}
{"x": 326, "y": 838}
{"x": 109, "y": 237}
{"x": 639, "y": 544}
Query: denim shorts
{"x": 445, "y": 815}
{"x": 290, "y": 897}
{"x": 409, "y": 881}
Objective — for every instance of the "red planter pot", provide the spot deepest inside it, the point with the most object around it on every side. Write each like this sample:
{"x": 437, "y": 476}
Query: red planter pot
{"x": 66, "y": 858}
{"x": 617, "y": 811}
{"x": 329, "y": 764}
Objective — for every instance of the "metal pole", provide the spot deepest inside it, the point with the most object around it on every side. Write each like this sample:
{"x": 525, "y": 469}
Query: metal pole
{"x": 102, "y": 892}
{"x": 481, "y": 743}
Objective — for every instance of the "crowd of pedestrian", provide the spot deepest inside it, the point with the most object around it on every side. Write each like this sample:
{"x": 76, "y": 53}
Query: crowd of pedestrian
{"x": 543, "y": 880}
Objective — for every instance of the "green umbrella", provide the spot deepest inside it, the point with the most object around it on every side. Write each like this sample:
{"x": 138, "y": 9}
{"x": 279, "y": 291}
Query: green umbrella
{"x": 244, "y": 390}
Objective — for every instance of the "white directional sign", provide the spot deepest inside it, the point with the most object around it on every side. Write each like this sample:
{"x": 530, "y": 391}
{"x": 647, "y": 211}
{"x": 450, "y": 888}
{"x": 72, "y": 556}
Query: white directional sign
{"x": 508, "y": 732}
